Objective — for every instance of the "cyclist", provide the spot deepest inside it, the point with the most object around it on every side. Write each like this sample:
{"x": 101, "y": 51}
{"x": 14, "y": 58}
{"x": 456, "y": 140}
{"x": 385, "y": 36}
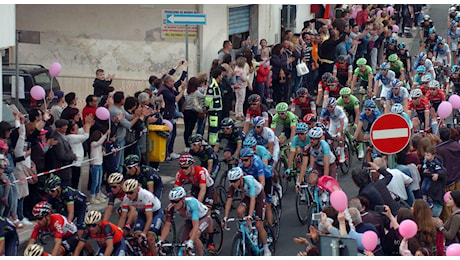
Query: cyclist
{"x": 426, "y": 25}
{"x": 148, "y": 177}
{"x": 332, "y": 89}
{"x": 422, "y": 107}
{"x": 365, "y": 74}
{"x": 390, "y": 48}
{"x": 208, "y": 157}
{"x": 397, "y": 108}
{"x": 256, "y": 108}
{"x": 454, "y": 80}
{"x": 196, "y": 215}
{"x": 397, "y": 66}
{"x": 349, "y": 103}
{"x": 68, "y": 201}
{"x": 259, "y": 150}
{"x": 405, "y": 58}
{"x": 265, "y": 137}
{"x": 251, "y": 164}
{"x": 286, "y": 118}
{"x": 422, "y": 79}
{"x": 385, "y": 77}
{"x": 253, "y": 200}
{"x": 429, "y": 43}
{"x": 343, "y": 71}
{"x": 149, "y": 212}
{"x": 9, "y": 239}
{"x": 108, "y": 236}
{"x": 321, "y": 157}
{"x": 422, "y": 60}
{"x": 398, "y": 94}
{"x": 366, "y": 119}
{"x": 115, "y": 181}
{"x": 65, "y": 232}
{"x": 435, "y": 95}
{"x": 35, "y": 250}
{"x": 234, "y": 137}
{"x": 303, "y": 102}
{"x": 441, "y": 52}
{"x": 453, "y": 33}
{"x": 298, "y": 144}
{"x": 321, "y": 85}
{"x": 338, "y": 121}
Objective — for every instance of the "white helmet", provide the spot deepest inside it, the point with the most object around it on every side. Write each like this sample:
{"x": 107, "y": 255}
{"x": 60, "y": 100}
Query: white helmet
{"x": 93, "y": 217}
{"x": 426, "y": 78}
{"x": 115, "y": 178}
{"x": 235, "y": 173}
{"x": 315, "y": 132}
{"x": 416, "y": 93}
{"x": 397, "y": 108}
{"x": 33, "y": 250}
{"x": 130, "y": 185}
{"x": 177, "y": 193}
{"x": 434, "y": 84}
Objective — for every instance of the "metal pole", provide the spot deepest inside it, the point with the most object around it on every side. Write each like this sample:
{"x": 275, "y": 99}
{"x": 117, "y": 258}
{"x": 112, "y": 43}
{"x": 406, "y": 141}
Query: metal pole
{"x": 335, "y": 247}
{"x": 288, "y": 25}
{"x": 16, "y": 67}
{"x": 186, "y": 45}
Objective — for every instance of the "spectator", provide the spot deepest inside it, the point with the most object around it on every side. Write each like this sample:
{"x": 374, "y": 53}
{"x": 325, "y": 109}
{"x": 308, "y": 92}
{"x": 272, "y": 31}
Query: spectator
{"x": 90, "y": 108}
{"x": 76, "y": 138}
{"x": 451, "y": 226}
{"x": 240, "y": 86}
{"x": 227, "y": 48}
{"x": 97, "y": 142}
{"x": 426, "y": 234}
{"x": 366, "y": 189}
{"x": 194, "y": 100}
{"x": 69, "y": 111}
{"x": 101, "y": 83}
{"x": 57, "y": 104}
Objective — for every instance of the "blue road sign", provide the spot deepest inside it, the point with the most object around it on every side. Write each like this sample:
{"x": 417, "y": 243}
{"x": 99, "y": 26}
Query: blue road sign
{"x": 189, "y": 19}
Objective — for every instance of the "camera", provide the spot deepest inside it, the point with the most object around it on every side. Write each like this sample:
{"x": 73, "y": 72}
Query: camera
{"x": 379, "y": 208}
{"x": 316, "y": 216}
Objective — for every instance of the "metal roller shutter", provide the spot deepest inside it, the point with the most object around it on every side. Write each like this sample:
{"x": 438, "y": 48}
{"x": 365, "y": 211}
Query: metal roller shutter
{"x": 238, "y": 20}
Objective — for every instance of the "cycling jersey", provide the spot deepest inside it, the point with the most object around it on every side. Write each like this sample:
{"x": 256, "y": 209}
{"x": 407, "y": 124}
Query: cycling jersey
{"x": 397, "y": 67}
{"x": 263, "y": 153}
{"x": 418, "y": 78}
{"x": 194, "y": 210}
{"x": 424, "y": 105}
{"x": 296, "y": 142}
{"x": 206, "y": 154}
{"x": 335, "y": 116}
{"x": 386, "y": 80}
{"x": 148, "y": 175}
{"x": 251, "y": 187}
{"x": 111, "y": 197}
{"x": 58, "y": 225}
{"x": 441, "y": 51}
{"x": 108, "y": 231}
{"x": 257, "y": 168}
{"x": 262, "y": 111}
{"x": 305, "y": 108}
{"x": 404, "y": 57}
{"x": 333, "y": 93}
{"x": 428, "y": 66}
{"x": 200, "y": 176}
{"x": 322, "y": 150}
{"x": 430, "y": 43}
{"x": 435, "y": 99}
{"x": 368, "y": 120}
{"x": 399, "y": 98}
{"x": 354, "y": 103}
{"x": 68, "y": 195}
{"x": 267, "y": 136}
{"x": 363, "y": 75}
{"x": 145, "y": 201}
{"x": 342, "y": 72}
{"x": 289, "y": 122}
{"x": 236, "y": 136}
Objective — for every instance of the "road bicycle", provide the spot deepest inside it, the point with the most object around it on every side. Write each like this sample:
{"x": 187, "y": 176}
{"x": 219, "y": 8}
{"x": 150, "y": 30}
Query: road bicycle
{"x": 310, "y": 199}
{"x": 287, "y": 180}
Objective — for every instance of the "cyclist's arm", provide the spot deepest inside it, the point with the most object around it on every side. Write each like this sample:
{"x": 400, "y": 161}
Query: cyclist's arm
{"x": 202, "y": 192}
{"x": 353, "y": 81}
{"x": 291, "y": 157}
{"x": 405, "y": 103}
{"x": 252, "y": 206}
{"x": 2, "y": 245}
{"x": 303, "y": 168}
{"x": 239, "y": 145}
{"x": 148, "y": 221}
{"x": 387, "y": 106}
{"x": 108, "y": 247}
{"x": 371, "y": 81}
{"x": 228, "y": 204}
{"x": 245, "y": 129}
{"x": 122, "y": 220}
{"x": 194, "y": 233}
{"x": 57, "y": 246}
{"x": 350, "y": 76}
{"x": 216, "y": 147}
{"x": 358, "y": 130}
{"x": 165, "y": 230}
{"x": 326, "y": 165}
{"x": 342, "y": 125}
{"x": 70, "y": 211}
{"x": 376, "y": 87}
{"x": 271, "y": 145}
{"x": 292, "y": 131}
{"x": 150, "y": 186}
{"x": 78, "y": 248}
{"x": 427, "y": 118}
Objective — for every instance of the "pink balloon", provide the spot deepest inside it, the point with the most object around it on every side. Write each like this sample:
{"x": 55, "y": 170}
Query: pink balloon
{"x": 453, "y": 250}
{"x": 369, "y": 240}
{"x": 169, "y": 124}
{"x": 339, "y": 200}
{"x": 395, "y": 28}
{"x": 55, "y": 69}
{"x": 379, "y": 13}
{"x": 454, "y": 100}
{"x": 408, "y": 228}
{"x": 444, "y": 109}
{"x": 102, "y": 113}
{"x": 37, "y": 92}
{"x": 390, "y": 10}
{"x": 446, "y": 196}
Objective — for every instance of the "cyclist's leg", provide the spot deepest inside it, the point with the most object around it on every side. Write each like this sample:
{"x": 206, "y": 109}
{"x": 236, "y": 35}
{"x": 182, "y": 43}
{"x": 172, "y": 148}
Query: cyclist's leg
{"x": 155, "y": 227}
{"x": 260, "y": 208}
{"x": 119, "y": 249}
{"x": 268, "y": 189}
{"x": 11, "y": 243}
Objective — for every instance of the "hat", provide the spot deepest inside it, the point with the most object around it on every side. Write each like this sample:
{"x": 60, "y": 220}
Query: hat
{"x": 58, "y": 94}
{"x": 61, "y": 122}
{"x": 3, "y": 145}
{"x": 455, "y": 194}
{"x": 44, "y": 131}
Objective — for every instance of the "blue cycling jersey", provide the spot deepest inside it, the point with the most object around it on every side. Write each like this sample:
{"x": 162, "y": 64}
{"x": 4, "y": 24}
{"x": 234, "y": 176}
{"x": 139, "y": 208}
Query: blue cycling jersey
{"x": 257, "y": 168}
{"x": 335, "y": 115}
{"x": 263, "y": 153}
{"x": 441, "y": 51}
{"x": 386, "y": 80}
{"x": 195, "y": 209}
{"x": 296, "y": 142}
{"x": 322, "y": 150}
{"x": 399, "y": 98}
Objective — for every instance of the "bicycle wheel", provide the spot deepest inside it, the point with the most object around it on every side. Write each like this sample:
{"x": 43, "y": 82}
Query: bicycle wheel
{"x": 346, "y": 165}
{"x": 303, "y": 207}
{"x": 221, "y": 197}
{"x": 218, "y": 234}
{"x": 276, "y": 226}
{"x": 223, "y": 181}
{"x": 238, "y": 248}
{"x": 280, "y": 167}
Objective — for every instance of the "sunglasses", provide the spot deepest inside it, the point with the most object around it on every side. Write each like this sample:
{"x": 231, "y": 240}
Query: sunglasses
{"x": 174, "y": 201}
{"x": 301, "y": 133}
{"x": 254, "y": 104}
{"x": 345, "y": 96}
{"x": 233, "y": 181}
{"x": 227, "y": 127}
{"x": 129, "y": 167}
{"x": 129, "y": 192}
{"x": 330, "y": 106}
{"x": 433, "y": 88}
{"x": 258, "y": 126}
{"x": 52, "y": 191}
{"x": 184, "y": 167}
{"x": 91, "y": 225}
{"x": 245, "y": 160}
{"x": 39, "y": 218}
{"x": 113, "y": 187}
{"x": 282, "y": 113}
{"x": 360, "y": 66}
{"x": 196, "y": 144}
{"x": 369, "y": 109}
{"x": 342, "y": 62}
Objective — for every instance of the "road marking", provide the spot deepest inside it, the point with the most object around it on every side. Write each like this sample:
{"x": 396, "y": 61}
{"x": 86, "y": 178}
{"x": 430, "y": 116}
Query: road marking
{"x": 390, "y": 133}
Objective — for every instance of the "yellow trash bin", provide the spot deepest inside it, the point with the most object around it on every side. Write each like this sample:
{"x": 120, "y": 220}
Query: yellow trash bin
{"x": 157, "y": 143}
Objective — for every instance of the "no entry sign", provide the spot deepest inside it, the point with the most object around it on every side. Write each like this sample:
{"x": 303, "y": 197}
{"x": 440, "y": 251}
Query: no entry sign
{"x": 390, "y": 133}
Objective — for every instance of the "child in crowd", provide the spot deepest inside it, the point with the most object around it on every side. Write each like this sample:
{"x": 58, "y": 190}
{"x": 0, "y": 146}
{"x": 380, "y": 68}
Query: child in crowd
{"x": 431, "y": 169}
{"x": 96, "y": 154}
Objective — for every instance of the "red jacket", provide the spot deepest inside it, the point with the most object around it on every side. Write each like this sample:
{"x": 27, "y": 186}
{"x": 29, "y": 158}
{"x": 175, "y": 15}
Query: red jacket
{"x": 262, "y": 74}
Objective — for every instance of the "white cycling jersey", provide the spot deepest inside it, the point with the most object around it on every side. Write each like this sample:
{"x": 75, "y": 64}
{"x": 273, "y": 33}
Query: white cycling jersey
{"x": 145, "y": 201}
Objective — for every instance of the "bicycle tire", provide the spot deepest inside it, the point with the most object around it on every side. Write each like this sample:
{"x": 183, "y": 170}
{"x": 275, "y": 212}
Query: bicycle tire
{"x": 346, "y": 165}
{"x": 221, "y": 197}
{"x": 303, "y": 208}
{"x": 218, "y": 234}
{"x": 276, "y": 226}
{"x": 280, "y": 167}
{"x": 238, "y": 248}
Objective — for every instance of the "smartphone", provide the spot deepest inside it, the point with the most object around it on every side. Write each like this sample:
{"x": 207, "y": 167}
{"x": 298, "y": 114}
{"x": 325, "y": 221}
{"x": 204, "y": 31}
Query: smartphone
{"x": 379, "y": 208}
{"x": 367, "y": 165}
{"x": 316, "y": 216}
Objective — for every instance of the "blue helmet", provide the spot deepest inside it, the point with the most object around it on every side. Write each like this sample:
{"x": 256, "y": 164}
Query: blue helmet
{"x": 401, "y": 45}
{"x": 396, "y": 83}
{"x": 258, "y": 121}
{"x": 331, "y": 101}
{"x": 246, "y": 152}
{"x": 369, "y": 103}
{"x": 391, "y": 40}
{"x": 249, "y": 142}
{"x": 422, "y": 56}
{"x": 384, "y": 66}
{"x": 440, "y": 39}
{"x": 454, "y": 69}
{"x": 421, "y": 69}
{"x": 301, "y": 128}
{"x": 432, "y": 30}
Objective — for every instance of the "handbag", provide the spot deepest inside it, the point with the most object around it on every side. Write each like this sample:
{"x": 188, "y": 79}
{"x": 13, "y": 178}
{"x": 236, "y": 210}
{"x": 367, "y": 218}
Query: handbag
{"x": 301, "y": 68}
{"x": 32, "y": 171}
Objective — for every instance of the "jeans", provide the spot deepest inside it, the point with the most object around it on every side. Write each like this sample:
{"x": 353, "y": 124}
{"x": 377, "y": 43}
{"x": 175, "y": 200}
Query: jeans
{"x": 426, "y": 184}
{"x": 120, "y": 143}
{"x": 11, "y": 243}
{"x": 201, "y": 125}
{"x": 240, "y": 95}
{"x": 260, "y": 90}
{"x": 190, "y": 118}
{"x": 172, "y": 138}
{"x": 21, "y": 208}
{"x": 96, "y": 176}
{"x": 12, "y": 198}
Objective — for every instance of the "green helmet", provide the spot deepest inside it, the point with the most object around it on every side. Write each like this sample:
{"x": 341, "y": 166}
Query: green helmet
{"x": 393, "y": 57}
{"x": 131, "y": 159}
{"x": 53, "y": 183}
{"x": 345, "y": 91}
{"x": 282, "y": 107}
{"x": 361, "y": 61}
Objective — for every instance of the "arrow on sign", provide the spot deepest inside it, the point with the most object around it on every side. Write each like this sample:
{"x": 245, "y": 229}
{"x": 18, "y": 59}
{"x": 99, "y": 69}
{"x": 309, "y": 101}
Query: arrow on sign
{"x": 186, "y": 19}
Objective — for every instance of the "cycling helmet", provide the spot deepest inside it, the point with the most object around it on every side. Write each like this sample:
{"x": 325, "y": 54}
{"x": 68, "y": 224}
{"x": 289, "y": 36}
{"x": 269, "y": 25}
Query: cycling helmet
{"x": 254, "y": 98}
{"x": 421, "y": 69}
{"x": 309, "y": 118}
{"x": 258, "y": 121}
{"x": 385, "y": 66}
{"x": 132, "y": 159}
{"x": 369, "y": 103}
{"x": 93, "y": 217}
{"x": 195, "y": 138}
{"x": 341, "y": 58}
{"x": 345, "y": 91}
{"x": 301, "y": 128}
{"x": 422, "y": 56}
{"x": 393, "y": 57}
{"x": 455, "y": 69}
{"x": 361, "y": 61}
{"x": 453, "y": 23}
{"x": 177, "y": 193}
{"x": 246, "y": 152}
{"x": 315, "y": 132}
{"x": 426, "y": 17}
{"x": 426, "y": 78}
{"x": 235, "y": 173}
{"x": 186, "y": 159}
{"x": 326, "y": 76}
{"x": 391, "y": 41}
{"x": 332, "y": 80}
{"x": 115, "y": 178}
{"x": 416, "y": 93}
{"x": 401, "y": 46}
{"x": 226, "y": 122}
{"x": 249, "y": 142}
{"x": 331, "y": 101}
{"x": 34, "y": 250}
{"x": 301, "y": 92}
{"x": 396, "y": 83}
{"x": 434, "y": 84}
{"x": 53, "y": 183}
{"x": 130, "y": 185}
{"x": 452, "y": 9}
{"x": 397, "y": 108}
{"x": 440, "y": 39}
{"x": 432, "y": 30}
{"x": 282, "y": 107}
{"x": 41, "y": 209}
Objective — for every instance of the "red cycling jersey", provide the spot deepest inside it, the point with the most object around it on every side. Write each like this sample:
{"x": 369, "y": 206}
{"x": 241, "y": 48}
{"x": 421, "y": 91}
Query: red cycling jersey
{"x": 108, "y": 231}
{"x": 59, "y": 225}
{"x": 199, "y": 176}
{"x": 438, "y": 97}
{"x": 305, "y": 107}
{"x": 422, "y": 106}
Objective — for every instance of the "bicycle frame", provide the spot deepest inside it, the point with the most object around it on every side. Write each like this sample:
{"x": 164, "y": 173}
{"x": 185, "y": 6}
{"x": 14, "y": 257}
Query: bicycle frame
{"x": 246, "y": 234}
